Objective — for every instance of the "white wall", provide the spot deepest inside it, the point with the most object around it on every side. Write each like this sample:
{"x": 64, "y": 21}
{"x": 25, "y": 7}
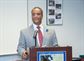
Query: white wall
{"x": 14, "y": 12}
{"x": 13, "y": 17}
{"x": 71, "y": 33}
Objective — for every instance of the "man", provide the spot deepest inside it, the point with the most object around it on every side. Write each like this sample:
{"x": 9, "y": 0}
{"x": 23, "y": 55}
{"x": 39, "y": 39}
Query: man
{"x": 44, "y": 37}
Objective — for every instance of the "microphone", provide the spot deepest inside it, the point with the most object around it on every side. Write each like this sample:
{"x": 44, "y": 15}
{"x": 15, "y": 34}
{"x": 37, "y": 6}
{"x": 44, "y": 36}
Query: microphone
{"x": 35, "y": 36}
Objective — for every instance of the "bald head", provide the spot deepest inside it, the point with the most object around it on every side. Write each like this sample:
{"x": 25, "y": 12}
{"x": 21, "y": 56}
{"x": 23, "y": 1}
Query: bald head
{"x": 38, "y": 8}
{"x": 37, "y": 15}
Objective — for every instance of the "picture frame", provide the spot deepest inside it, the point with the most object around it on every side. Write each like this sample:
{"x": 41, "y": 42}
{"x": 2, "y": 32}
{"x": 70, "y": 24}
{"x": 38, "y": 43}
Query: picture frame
{"x": 54, "y": 12}
{"x": 51, "y": 56}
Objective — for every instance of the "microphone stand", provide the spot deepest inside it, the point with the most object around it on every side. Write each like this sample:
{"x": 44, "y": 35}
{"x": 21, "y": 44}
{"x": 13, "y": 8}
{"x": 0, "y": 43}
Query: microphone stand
{"x": 35, "y": 37}
{"x": 35, "y": 40}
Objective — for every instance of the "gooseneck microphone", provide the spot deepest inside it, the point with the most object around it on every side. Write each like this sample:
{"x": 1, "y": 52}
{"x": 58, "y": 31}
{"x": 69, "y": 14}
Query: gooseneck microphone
{"x": 35, "y": 37}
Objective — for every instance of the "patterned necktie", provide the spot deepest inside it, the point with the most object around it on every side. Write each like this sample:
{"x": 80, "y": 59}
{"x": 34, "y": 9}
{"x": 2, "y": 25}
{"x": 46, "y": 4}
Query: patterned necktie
{"x": 40, "y": 36}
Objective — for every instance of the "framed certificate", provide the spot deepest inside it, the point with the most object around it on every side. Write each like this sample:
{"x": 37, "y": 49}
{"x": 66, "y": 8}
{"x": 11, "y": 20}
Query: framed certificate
{"x": 54, "y": 12}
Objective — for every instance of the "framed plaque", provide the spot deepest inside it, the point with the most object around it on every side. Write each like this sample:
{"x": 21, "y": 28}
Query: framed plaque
{"x": 54, "y": 12}
{"x": 51, "y": 56}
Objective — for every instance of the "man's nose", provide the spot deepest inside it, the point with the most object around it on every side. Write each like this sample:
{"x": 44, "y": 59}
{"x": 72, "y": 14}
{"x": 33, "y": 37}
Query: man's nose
{"x": 35, "y": 15}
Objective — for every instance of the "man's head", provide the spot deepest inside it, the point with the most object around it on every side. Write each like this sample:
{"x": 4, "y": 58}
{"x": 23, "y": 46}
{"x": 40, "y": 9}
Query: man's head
{"x": 37, "y": 15}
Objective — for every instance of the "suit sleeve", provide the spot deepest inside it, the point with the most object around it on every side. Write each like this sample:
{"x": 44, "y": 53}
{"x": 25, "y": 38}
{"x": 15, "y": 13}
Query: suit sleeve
{"x": 21, "y": 44}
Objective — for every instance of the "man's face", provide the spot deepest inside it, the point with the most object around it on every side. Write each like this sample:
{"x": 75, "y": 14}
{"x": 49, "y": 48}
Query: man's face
{"x": 37, "y": 16}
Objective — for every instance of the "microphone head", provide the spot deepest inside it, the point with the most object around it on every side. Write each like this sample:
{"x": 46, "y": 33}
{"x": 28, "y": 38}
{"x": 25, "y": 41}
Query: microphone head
{"x": 35, "y": 34}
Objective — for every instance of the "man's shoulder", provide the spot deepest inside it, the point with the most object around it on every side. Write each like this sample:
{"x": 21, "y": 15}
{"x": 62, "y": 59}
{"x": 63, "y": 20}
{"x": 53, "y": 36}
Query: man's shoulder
{"x": 27, "y": 29}
{"x": 24, "y": 29}
{"x": 49, "y": 30}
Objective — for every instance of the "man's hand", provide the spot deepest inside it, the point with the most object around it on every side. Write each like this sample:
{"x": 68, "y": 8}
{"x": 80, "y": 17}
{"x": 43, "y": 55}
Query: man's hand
{"x": 25, "y": 54}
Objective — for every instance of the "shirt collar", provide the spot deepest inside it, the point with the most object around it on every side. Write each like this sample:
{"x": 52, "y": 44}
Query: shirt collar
{"x": 35, "y": 26}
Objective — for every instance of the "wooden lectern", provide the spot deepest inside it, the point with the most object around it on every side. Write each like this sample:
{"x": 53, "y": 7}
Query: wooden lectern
{"x": 34, "y": 52}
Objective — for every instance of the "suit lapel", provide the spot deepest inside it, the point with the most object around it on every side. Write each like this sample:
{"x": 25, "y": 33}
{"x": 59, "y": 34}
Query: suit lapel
{"x": 45, "y": 37}
{"x": 31, "y": 30}
{"x": 31, "y": 35}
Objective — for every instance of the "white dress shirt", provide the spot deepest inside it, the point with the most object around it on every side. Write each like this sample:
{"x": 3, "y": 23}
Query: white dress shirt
{"x": 41, "y": 28}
